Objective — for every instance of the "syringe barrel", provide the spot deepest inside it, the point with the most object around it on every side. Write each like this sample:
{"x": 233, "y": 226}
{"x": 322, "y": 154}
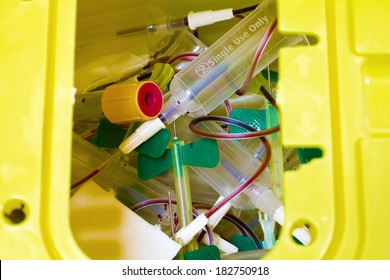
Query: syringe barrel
{"x": 221, "y": 70}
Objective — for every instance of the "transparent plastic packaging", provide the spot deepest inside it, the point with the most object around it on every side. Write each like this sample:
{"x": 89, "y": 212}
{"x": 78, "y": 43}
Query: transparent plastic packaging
{"x": 184, "y": 41}
{"x": 128, "y": 188}
{"x": 86, "y": 157}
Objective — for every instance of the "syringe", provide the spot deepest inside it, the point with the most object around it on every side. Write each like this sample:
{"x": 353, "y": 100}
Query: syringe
{"x": 217, "y": 73}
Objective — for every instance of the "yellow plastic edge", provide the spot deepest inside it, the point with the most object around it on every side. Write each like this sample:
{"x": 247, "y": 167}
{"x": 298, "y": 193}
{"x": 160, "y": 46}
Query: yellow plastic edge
{"x": 37, "y": 68}
{"x": 338, "y": 93}
{"x": 57, "y": 127}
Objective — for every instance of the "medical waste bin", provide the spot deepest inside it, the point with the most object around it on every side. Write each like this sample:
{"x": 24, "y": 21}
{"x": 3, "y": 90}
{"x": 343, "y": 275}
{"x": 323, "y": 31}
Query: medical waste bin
{"x": 333, "y": 95}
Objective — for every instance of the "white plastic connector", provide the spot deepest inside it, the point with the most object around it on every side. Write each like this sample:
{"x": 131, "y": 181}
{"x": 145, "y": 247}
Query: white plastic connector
{"x": 226, "y": 247}
{"x": 302, "y": 233}
{"x": 279, "y": 215}
{"x": 196, "y": 20}
{"x": 186, "y": 234}
{"x": 218, "y": 215}
{"x": 143, "y": 133}
{"x": 223, "y": 245}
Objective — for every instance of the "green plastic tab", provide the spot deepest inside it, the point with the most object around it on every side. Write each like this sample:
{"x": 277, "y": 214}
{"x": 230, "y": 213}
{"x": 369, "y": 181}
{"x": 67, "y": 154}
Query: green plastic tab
{"x": 201, "y": 153}
{"x": 149, "y": 167}
{"x": 108, "y": 135}
{"x": 255, "y": 118}
{"x": 273, "y": 115}
{"x": 243, "y": 243}
{"x": 156, "y": 145}
{"x": 272, "y": 118}
{"x": 307, "y": 154}
{"x": 274, "y": 75}
{"x": 210, "y": 252}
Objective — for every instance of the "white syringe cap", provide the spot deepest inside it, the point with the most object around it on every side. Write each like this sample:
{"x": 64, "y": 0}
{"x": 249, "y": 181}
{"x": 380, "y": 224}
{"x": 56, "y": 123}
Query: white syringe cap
{"x": 143, "y": 133}
{"x": 226, "y": 247}
{"x": 302, "y": 234}
{"x": 196, "y": 20}
{"x": 187, "y": 233}
{"x": 223, "y": 245}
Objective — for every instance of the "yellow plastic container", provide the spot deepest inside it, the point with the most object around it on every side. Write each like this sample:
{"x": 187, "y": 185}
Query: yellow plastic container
{"x": 333, "y": 95}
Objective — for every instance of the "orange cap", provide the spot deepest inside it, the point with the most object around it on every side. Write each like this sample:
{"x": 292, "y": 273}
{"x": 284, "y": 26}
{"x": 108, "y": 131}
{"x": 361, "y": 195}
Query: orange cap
{"x": 128, "y": 102}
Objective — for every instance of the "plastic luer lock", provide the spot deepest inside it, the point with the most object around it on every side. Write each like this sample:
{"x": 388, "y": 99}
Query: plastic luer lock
{"x": 219, "y": 71}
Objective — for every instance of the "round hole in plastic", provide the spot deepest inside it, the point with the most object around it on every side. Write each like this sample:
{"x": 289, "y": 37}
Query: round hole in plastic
{"x": 303, "y": 232}
{"x": 15, "y": 211}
